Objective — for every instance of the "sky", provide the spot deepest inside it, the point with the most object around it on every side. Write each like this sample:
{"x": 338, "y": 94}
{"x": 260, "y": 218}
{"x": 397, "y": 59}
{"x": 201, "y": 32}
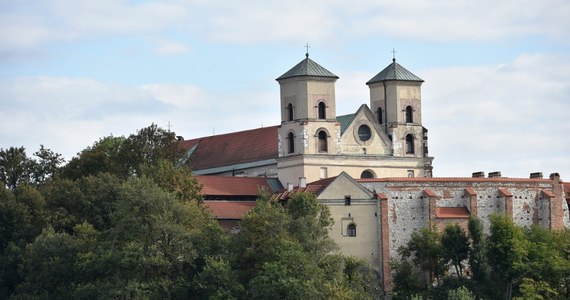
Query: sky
{"x": 496, "y": 95}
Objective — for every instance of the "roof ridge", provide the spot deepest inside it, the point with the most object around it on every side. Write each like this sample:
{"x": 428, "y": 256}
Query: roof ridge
{"x": 307, "y": 67}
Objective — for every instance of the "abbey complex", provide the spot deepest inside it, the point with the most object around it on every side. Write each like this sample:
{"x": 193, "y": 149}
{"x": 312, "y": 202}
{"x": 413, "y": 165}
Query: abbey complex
{"x": 372, "y": 168}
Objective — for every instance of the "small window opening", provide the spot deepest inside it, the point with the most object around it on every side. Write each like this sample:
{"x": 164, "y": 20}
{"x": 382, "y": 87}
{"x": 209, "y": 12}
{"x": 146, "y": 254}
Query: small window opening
{"x": 290, "y": 112}
{"x": 366, "y": 174}
{"x": 291, "y": 141}
{"x": 322, "y": 144}
{"x": 347, "y": 200}
{"x": 322, "y": 110}
{"x": 380, "y": 115}
{"x": 351, "y": 230}
{"x": 409, "y": 144}
{"x": 409, "y": 114}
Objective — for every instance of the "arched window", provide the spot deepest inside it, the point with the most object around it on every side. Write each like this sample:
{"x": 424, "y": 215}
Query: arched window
{"x": 351, "y": 230}
{"x": 380, "y": 115}
{"x": 322, "y": 145}
{"x": 409, "y": 114}
{"x": 409, "y": 144}
{"x": 290, "y": 112}
{"x": 366, "y": 174}
{"x": 291, "y": 138}
{"x": 322, "y": 110}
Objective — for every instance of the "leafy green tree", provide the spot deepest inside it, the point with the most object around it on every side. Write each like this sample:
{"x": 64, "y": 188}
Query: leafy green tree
{"x": 218, "y": 281}
{"x": 536, "y": 290}
{"x": 14, "y": 167}
{"x": 461, "y": 293}
{"x": 548, "y": 259}
{"x": 310, "y": 223}
{"x": 17, "y": 168}
{"x": 455, "y": 246}
{"x": 48, "y": 269}
{"x": 101, "y": 157}
{"x": 507, "y": 252}
{"x": 149, "y": 146}
{"x": 47, "y": 164}
{"x": 477, "y": 255}
{"x": 174, "y": 179}
{"x": 405, "y": 279}
{"x": 426, "y": 251}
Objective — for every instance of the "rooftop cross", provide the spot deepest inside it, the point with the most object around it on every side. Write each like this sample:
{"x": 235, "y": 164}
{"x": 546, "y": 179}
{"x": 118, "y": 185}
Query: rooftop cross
{"x": 394, "y": 54}
{"x": 307, "y": 46}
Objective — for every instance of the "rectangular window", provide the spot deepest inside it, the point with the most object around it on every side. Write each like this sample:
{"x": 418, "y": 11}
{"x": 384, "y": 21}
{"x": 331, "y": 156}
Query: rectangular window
{"x": 347, "y": 200}
{"x": 410, "y": 173}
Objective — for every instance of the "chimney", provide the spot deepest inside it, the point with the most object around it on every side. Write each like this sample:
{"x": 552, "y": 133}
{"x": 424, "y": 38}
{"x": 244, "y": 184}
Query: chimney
{"x": 302, "y": 182}
{"x": 478, "y": 174}
{"x": 289, "y": 187}
{"x": 554, "y": 176}
{"x": 537, "y": 175}
{"x": 496, "y": 174}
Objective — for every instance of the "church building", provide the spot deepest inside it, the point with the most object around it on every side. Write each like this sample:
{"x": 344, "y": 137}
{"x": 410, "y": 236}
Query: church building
{"x": 371, "y": 168}
{"x": 384, "y": 139}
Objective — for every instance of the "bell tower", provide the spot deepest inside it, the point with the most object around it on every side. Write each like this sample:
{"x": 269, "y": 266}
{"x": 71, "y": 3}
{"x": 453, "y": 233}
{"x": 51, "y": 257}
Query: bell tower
{"x": 395, "y": 99}
{"x": 308, "y": 117}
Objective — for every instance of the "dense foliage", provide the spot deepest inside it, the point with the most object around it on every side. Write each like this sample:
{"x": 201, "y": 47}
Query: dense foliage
{"x": 512, "y": 262}
{"x": 124, "y": 220}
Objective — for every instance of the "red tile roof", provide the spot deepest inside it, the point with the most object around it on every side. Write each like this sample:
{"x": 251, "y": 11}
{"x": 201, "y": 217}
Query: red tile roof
{"x": 232, "y": 186}
{"x": 229, "y": 210}
{"x": 315, "y": 187}
{"x": 505, "y": 192}
{"x": 453, "y": 179}
{"x": 452, "y": 212}
{"x": 233, "y": 148}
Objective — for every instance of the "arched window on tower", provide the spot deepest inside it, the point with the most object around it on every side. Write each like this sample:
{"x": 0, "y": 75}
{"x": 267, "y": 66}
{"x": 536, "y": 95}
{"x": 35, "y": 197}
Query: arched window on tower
{"x": 409, "y": 114}
{"x": 380, "y": 115}
{"x": 322, "y": 110}
{"x": 322, "y": 143}
{"x": 409, "y": 144}
{"x": 291, "y": 141}
{"x": 290, "y": 112}
{"x": 351, "y": 230}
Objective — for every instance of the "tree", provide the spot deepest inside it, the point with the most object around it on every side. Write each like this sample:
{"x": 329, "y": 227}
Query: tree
{"x": 46, "y": 166}
{"x": 101, "y": 157}
{"x": 14, "y": 166}
{"x": 455, "y": 246}
{"x": 477, "y": 255}
{"x": 426, "y": 251}
{"x": 17, "y": 168}
{"x": 149, "y": 146}
{"x": 507, "y": 252}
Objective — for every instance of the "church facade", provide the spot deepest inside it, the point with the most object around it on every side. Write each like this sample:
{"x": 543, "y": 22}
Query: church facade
{"x": 371, "y": 167}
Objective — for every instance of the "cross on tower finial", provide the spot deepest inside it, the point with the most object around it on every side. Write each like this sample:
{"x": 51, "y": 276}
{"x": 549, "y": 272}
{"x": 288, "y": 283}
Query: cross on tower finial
{"x": 394, "y": 54}
{"x": 307, "y": 46}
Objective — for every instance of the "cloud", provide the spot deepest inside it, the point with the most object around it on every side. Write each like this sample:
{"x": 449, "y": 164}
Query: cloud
{"x": 511, "y": 117}
{"x": 31, "y": 27}
{"x": 69, "y": 114}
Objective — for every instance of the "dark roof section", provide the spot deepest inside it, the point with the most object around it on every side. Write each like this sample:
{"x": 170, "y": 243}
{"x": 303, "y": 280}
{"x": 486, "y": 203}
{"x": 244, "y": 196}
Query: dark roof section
{"x": 307, "y": 67}
{"x": 315, "y": 187}
{"x": 232, "y": 148}
{"x": 394, "y": 71}
{"x": 344, "y": 121}
{"x": 236, "y": 186}
{"x": 229, "y": 210}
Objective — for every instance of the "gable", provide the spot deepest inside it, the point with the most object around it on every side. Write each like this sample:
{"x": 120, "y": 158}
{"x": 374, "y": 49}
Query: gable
{"x": 377, "y": 144}
{"x": 344, "y": 185}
